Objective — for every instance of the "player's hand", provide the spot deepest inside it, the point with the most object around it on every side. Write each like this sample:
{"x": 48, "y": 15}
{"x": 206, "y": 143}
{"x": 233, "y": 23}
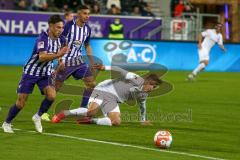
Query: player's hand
{"x": 63, "y": 51}
{"x": 99, "y": 67}
{"x": 224, "y": 50}
{"x": 199, "y": 46}
{"x": 93, "y": 70}
{"x": 146, "y": 123}
{"x": 61, "y": 67}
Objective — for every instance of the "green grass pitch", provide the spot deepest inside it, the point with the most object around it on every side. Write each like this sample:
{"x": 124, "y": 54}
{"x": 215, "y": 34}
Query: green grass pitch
{"x": 203, "y": 117}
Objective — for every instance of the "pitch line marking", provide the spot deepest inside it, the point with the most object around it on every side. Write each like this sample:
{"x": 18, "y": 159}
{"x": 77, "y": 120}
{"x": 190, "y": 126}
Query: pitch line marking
{"x": 123, "y": 145}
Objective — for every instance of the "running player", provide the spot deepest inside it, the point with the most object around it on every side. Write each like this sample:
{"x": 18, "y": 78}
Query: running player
{"x": 78, "y": 33}
{"x": 211, "y": 36}
{"x": 48, "y": 46}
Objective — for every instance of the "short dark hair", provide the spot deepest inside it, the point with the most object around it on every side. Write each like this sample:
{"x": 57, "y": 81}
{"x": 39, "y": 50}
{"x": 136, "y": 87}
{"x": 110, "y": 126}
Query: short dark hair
{"x": 55, "y": 19}
{"x": 82, "y": 7}
{"x": 218, "y": 24}
{"x": 155, "y": 78}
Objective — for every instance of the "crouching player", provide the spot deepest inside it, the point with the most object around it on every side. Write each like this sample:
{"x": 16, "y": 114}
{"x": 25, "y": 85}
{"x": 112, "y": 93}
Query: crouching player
{"x": 49, "y": 46}
{"x": 108, "y": 94}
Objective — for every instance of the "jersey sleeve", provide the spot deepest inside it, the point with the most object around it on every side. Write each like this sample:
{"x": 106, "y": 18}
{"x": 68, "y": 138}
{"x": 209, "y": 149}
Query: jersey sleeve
{"x": 134, "y": 78}
{"x": 220, "y": 40}
{"x": 204, "y": 33}
{"x": 42, "y": 43}
{"x": 142, "y": 106}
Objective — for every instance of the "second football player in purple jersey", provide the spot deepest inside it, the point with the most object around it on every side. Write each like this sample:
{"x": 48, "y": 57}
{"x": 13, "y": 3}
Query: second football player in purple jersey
{"x": 77, "y": 32}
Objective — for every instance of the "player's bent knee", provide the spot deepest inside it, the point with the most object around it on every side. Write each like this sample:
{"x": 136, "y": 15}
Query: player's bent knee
{"x": 20, "y": 103}
{"x": 205, "y": 62}
{"x": 115, "y": 118}
{"x": 92, "y": 113}
{"x": 50, "y": 93}
{"x": 93, "y": 109}
{"x": 21, "y": 100}
{"x": 58, "y": 85}
{"x": 116, "y": 122}
{"x": 51, "y": 96}
{"x": 91, "y": 84}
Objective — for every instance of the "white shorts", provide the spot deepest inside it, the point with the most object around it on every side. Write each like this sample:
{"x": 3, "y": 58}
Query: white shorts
{"x": 203, "y": 54}
{"x": 106, "y": 102}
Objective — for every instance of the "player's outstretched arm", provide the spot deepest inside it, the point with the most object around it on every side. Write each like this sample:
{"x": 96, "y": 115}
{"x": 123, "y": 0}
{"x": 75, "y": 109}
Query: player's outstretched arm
{"x": 89, "y": 54}
{"x": 110, "y": 68}
{"x": 45, "y": 57}
{"x": 200, "y": 38}
{"x": 143, "y": 112}
{"x": 134, "y": 78}
{"x": 60, "y": 66}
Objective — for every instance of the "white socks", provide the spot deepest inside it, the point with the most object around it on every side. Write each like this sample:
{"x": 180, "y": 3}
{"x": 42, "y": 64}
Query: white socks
{"x": 102, "y": 121}
{"x": 83, "y": 112}
{"x": 200, "y": 67}
{"x": 76, "y": 112}
{"x": 37, "y": 116}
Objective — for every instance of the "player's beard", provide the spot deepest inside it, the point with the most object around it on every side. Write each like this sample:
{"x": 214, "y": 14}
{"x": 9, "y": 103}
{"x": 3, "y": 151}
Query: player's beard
{"x": 57, "y": 34}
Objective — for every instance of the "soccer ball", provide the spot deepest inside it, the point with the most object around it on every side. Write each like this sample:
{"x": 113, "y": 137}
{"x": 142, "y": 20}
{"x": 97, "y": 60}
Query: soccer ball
{"x": 163, "y": 139}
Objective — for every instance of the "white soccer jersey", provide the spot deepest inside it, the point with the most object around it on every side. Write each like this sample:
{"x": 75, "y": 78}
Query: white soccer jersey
{"x": 126, "y": 87}
{"x": 129, "y": 87}
{"x": 210, "y": 38}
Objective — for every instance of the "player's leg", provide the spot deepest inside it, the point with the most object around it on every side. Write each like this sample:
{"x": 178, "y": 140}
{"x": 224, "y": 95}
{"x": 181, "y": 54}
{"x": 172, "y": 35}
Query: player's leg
{"x": 58, "y": 78}
{"x": 50, "y": 95}
{"x": 90, "y": 83}
{"x": 13, "y": 111}
{"x": 61, "y": 76}
{"x": 25, "y": 88}
{"x": 93, "y": 107}
{"x": 111, "y": 118}
{"x": 203, "y": 62}
{"x": 58, "y": 85}
{"x": 200, "y": 67}
{"x": 84, "y": 73}
{"x": 115, "y": 117}
{"x": 110, "y": 110}
{"x": 49, "y": 91}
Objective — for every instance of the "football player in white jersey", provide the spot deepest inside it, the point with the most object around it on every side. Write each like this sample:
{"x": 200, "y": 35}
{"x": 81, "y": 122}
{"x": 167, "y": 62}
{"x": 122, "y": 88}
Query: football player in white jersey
{"x": 108, "y": 94}
{"x": 206, "y": 41}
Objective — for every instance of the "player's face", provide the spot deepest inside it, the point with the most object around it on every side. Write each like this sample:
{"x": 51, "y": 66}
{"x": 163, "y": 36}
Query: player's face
{"x": 83, "y": 15}
{"x": 69, "y": 17}
{"x": 219, "y": 28}
{"x": 149, "y": 86}
{"x": 56, "y": 29}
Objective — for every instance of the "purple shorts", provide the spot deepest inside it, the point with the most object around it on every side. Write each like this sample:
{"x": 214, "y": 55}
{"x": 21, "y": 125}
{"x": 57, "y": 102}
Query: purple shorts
{"x": 78, "y": 72}
{"x": 27, "y": 83}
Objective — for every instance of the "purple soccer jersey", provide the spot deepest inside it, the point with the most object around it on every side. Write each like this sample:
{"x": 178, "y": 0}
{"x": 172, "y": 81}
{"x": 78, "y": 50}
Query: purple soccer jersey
{"x": 76, "y": 37}
{"x": 43, "y": 43}
{"x": 36, "y": 72}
